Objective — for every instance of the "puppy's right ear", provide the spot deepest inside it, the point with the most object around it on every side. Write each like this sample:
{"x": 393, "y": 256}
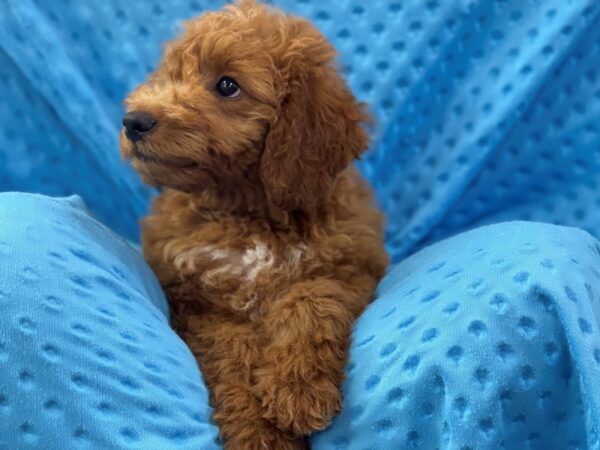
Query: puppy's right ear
{"x": 318, "y": 131}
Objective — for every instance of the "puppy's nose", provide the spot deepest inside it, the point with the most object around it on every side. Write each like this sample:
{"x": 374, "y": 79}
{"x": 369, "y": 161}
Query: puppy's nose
{"x": 137, "y": 124}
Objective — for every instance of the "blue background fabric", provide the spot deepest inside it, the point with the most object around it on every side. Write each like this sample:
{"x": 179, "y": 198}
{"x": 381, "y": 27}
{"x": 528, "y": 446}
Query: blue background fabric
{"x": 487, "y": 111}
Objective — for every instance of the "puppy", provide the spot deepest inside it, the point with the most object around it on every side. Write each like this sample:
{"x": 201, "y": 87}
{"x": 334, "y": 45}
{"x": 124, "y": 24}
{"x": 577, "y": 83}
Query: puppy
{"x": 264, "y": 238}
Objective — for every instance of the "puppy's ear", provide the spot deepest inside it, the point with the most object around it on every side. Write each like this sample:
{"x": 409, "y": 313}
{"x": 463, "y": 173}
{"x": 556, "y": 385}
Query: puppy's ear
{"x": 318, "y": 131}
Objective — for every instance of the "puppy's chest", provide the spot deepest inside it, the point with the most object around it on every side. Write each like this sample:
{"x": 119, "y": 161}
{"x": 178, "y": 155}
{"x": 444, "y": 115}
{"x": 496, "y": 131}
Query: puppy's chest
{"x": 242, "y": 273}
{"x": 247, "y": 261}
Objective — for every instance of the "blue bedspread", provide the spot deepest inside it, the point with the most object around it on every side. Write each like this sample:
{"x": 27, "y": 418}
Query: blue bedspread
{"x": 488, "y": 111}
{"x": 87, "y": 357}
{"x": 484, "y": 341}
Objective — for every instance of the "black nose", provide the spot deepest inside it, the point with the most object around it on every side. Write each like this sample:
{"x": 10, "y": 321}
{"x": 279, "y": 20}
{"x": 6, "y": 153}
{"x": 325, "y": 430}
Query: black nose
{"x": 137, "y": 124}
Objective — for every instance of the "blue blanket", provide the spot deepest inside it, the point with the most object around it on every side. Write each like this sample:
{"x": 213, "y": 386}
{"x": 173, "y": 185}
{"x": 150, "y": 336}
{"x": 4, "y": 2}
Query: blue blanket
{"x": 487, "y": 110}
{"x": 87, "y": 357}
{"x": 484, "y": 341}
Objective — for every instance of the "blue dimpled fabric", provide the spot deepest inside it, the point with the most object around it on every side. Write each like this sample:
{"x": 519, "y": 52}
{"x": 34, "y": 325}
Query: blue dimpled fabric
{"x": 87, "y": 357}
{"x": 487, "y": 340}
{"x": 487, "y": 110}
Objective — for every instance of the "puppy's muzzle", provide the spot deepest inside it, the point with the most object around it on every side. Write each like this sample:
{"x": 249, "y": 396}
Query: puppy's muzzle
{"x": 138, "y": 124}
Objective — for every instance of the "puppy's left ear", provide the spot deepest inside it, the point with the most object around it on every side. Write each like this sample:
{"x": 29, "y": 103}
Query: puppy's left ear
{"x": 318, "y": 131}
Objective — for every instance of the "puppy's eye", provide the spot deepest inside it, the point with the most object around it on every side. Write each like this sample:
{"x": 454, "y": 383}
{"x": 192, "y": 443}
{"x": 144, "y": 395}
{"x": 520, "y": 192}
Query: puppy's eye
{"x": 227, "y": 87}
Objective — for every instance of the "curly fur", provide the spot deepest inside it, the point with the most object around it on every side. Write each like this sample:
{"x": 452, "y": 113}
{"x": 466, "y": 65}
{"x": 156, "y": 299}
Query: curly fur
{"x": 265, "y": 239}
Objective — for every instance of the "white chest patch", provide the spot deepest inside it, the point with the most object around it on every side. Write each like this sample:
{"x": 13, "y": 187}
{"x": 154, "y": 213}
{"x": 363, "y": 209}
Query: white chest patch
{"x": 247, "y": 264}
{"x": 255, "y": 260}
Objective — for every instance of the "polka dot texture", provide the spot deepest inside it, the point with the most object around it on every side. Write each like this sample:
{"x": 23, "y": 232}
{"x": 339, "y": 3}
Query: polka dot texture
{"x": 495, "y": 120}
{"x": 486, "y": 112}
{"x": 487, "y": 340}
{"x": 483, "y": 341}
{"x": 87, "y": 358}
{"x": 486, "y": 109}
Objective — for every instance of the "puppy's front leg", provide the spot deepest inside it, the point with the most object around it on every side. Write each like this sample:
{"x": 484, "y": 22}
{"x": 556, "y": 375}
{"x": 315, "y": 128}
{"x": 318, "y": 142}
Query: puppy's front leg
{"x": 227, "y": 351}
{"x": 302, "y": 364}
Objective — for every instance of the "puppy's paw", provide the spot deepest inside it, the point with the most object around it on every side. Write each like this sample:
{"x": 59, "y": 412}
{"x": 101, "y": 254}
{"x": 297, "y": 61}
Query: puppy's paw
{"x": 255, "y": 434}
{"x": 257, "y": 442}
{"x": 300, "y": 407}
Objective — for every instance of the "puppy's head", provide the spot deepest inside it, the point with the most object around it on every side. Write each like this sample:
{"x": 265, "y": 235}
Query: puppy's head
{"x": 246, "y": 98}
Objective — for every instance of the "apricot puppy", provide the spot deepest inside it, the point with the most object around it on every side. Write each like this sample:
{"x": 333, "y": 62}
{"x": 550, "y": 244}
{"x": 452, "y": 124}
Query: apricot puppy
{"x": 264, "y": 238}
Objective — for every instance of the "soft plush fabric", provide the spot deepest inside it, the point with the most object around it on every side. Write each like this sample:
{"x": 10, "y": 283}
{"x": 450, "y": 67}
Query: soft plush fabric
{"x": 486, "y": 109}
{"x": 87, "y": 357}
{"x": 487, "y": 340}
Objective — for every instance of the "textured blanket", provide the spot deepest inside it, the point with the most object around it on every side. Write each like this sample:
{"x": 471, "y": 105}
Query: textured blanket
{"x": 488, "y": 340}
{"x": 487, "y": 109}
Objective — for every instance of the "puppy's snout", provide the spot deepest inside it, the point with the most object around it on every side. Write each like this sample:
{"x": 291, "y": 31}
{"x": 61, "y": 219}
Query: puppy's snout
{"x": 137, "y": 124}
